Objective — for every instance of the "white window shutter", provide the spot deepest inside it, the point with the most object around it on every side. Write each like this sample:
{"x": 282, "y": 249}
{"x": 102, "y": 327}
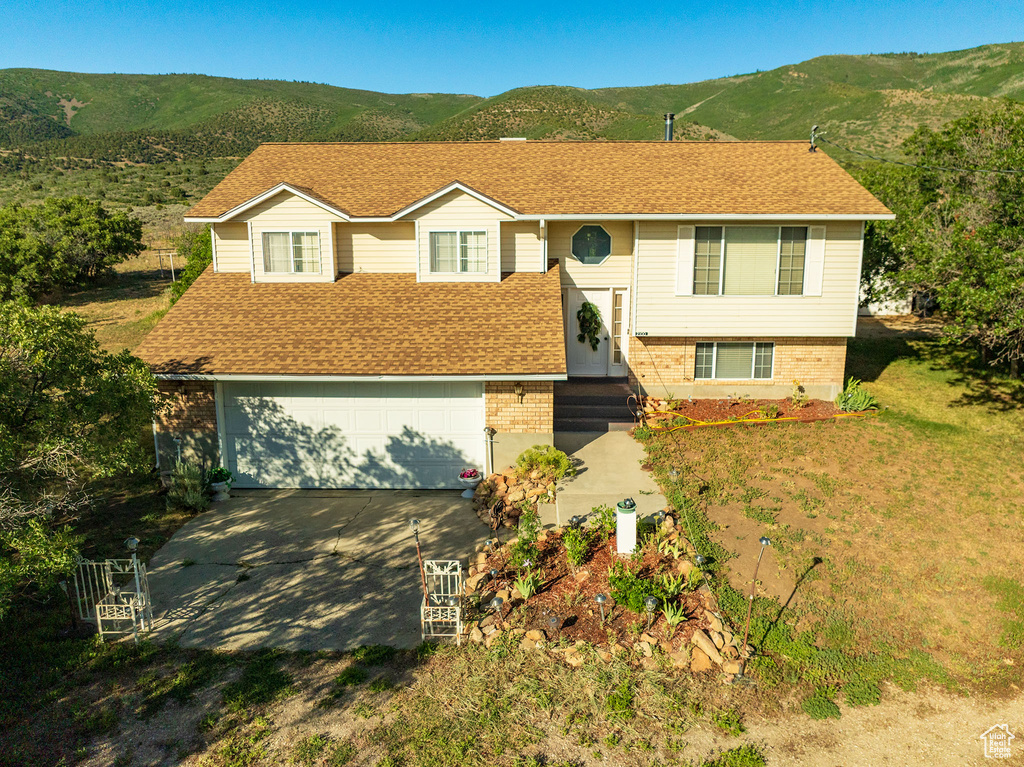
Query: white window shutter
{"x": 684, "y": 261}
{"x": 814, "y": 262}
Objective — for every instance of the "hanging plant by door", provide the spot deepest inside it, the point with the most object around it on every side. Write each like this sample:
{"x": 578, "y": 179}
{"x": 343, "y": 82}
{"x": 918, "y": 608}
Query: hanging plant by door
{"x": 589, "y": 317}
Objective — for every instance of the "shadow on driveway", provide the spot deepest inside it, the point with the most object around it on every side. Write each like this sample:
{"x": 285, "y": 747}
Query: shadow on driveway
{"x": 306, "y": 569}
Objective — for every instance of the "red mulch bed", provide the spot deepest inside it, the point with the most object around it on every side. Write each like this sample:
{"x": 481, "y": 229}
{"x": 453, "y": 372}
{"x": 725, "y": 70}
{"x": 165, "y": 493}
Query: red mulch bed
{"x": 571, "y": 601}
{"x": 700, "y": 412}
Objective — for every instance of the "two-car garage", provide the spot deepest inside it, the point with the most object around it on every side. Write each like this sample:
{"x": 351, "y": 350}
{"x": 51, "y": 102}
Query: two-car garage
{"x": 351, "y": 434}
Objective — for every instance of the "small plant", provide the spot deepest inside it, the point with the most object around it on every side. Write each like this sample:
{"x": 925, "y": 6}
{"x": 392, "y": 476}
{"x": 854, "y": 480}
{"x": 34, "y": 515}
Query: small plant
{"x": 374, "y": 654}
{"x": 546, "y": 459}
{"x": 728, "y": 721}
{"x": 631, "y": 590}
{"x": 577, "y": 544}
{"x": 604, "y": 518}
{"x": 469, "y": 474}
{"x": 188, "y": 488}
{"x": 670, "y": 548}
{"x": 528, "y": 583}
{"x": 769, "y": 411}
{"x": 674, "y": 615}
{"x": 853, "y": 399}
{"x": 799, "y": 397}
{"x": 219, "y": 474}
{"x": 619, "y": 703}
{"x": 672, "y": 585}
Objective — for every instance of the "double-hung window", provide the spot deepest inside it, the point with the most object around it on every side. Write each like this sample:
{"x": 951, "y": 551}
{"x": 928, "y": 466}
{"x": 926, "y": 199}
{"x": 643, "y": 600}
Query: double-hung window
{"x": 291, "y": 252}
{"x": 749, "y": 260}
{"x": 458, "y": 252}
{"x": 733, "y": 360}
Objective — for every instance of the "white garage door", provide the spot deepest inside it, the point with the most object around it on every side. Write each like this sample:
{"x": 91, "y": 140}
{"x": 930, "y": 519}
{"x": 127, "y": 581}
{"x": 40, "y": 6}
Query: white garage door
{"x": 334, "y": 435}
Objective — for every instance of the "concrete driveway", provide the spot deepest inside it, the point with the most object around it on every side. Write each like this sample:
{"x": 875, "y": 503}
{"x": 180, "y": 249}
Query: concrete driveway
{"x": 305, "y": 569}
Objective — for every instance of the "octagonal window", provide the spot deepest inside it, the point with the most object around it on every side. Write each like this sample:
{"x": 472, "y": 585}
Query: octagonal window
{"x": 591, "y": 244}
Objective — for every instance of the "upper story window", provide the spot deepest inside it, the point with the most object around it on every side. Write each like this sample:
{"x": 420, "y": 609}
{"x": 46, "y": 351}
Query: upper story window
{"x": 749, "y": 260}
{"x": 291, "y": 252}
{"x": 591, "y": 244}
{"x": 458, "y": 252}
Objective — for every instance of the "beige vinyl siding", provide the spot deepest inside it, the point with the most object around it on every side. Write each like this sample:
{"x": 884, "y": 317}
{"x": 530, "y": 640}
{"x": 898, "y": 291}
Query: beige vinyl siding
{"x": 521, "y": 246}
{"x": 288, "y": 212}
{"x": 660, "y": 312}
{"x": 458, "y": 211}
{"x": 387, "y": 247}
{"x": 616, "y": 271}
{"x": 231, "y": 239}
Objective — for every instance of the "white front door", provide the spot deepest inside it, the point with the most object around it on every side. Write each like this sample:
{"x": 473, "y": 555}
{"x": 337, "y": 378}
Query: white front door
{"x": 582, "y": 359}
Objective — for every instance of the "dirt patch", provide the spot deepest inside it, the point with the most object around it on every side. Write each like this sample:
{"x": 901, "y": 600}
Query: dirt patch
{"x": 901, "y": 326}
{"x": 71, "y": 107}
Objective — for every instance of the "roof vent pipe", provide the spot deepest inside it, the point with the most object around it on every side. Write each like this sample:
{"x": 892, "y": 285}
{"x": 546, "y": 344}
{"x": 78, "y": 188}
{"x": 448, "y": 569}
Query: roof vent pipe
{"x": 668, "y": 126}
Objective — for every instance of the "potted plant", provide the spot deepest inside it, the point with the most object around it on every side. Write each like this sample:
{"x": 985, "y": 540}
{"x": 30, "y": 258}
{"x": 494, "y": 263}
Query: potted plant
{"x": 220, "y": 480}
{"x": 469, "y": 479}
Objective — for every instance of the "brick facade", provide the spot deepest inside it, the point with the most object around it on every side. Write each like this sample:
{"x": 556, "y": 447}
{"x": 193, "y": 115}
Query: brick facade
{"x": 505, "y": 413}
{"x": 817, "y": 363}
{"x": 186, "y": 407}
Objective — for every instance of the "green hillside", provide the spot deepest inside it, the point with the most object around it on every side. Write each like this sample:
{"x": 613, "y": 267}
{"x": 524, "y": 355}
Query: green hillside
{"x": 871, "y": 102}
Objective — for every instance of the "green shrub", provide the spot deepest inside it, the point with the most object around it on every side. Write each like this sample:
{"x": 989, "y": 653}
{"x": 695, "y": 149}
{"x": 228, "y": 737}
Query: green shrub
{"x": 630, "y": 590}
{"x": 604, "y": 520}
{"x": 552, "y": 463}
{"x": 577, "y": 545}
{"x": 821, "y": 705}
{"x": 854, "y": 399}
{"x": 195, "y": 249}
{"x": 188, "y": 488}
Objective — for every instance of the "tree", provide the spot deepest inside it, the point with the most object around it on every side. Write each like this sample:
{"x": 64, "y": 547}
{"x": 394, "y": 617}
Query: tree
{"x": 61, "y": 244}
{"x": 959, "y": 232}
{"x": 195, "y": 249}
{"x": 69, "y": 412}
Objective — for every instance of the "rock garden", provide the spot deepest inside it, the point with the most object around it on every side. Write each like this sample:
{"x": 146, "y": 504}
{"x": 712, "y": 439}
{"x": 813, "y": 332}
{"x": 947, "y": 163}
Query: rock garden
{"x": 568, "y": 591}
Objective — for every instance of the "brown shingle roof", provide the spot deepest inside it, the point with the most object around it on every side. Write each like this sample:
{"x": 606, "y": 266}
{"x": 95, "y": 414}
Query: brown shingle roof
{"x": 363, "y": 324}
{"x": 557, "y": 177}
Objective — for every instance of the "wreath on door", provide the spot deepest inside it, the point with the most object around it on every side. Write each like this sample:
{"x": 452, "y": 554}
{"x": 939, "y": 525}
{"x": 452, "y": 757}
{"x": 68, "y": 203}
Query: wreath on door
{"x": 589, "y": 318}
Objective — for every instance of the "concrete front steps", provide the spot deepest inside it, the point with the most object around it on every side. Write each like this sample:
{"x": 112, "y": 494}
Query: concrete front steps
{"x": 592, "y": 405}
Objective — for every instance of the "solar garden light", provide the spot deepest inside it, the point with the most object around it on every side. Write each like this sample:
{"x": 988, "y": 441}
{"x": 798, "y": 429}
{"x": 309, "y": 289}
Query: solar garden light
{"x": 496, "y": 604}
{"x": 660, "y": 516}
{"x": 575, "y": 522}
{"x": 651, "y": 604}
{"x": 765, "y": 543}
{"x": 132, "y": 544}
{"x": 414, "y": 525}
{"x": 489, "y": 545}
{"x": 554, "y": 623}
{"x": 701, "y": 560}
{"x": 601, "y": 599}
{"x": 673, "y": 475}
{"x": 177, "y": 444}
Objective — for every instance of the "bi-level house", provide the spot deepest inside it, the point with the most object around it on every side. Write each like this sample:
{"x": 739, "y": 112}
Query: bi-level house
{"x": 374, "y": 311}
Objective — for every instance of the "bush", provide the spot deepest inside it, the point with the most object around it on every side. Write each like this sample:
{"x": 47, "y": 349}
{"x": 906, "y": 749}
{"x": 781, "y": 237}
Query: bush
{"x": 188, "y": 488}
{"x": 854, "y": 399}
{"x": 577, "y": 545}
{"x": 552, "y": 463}
{"x": 631, "y": 590}
{"x": 219, "y": 474}
{"x": 604, "y": 519}
{"x": 195, "y": 248}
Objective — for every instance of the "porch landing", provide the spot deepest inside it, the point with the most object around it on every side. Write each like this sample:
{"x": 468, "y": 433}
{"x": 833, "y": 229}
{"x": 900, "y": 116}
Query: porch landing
{"x": 592, "y": 405}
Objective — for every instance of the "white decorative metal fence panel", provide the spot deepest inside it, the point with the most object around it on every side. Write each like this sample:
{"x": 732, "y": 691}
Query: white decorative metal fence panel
{"x": 441, "y": 611}
{"x": 113, "y": 594}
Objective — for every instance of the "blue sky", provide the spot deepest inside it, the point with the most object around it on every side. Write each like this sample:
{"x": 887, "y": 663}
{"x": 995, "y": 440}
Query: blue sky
{"x": 481, "y": 48}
